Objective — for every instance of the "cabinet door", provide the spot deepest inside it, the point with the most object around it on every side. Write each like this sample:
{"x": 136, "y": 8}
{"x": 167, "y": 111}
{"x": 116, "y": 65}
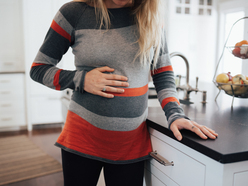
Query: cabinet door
{"x": 12, "y": 100}
{"x": 186, "y": 170}
{"x": 46, "y": 110}
{"x": 241, "y": 179}
{"x": 155, "y": 177}
{"x": 10, "y": 120}
{"x": 152, "y": 180}
{"x": 11, "y": 36}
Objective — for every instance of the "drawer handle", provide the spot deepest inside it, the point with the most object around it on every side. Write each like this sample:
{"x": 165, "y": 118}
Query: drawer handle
{"x": 6, "y": 105}
{"x": 160, "y": 159}
{"x": 5, "y": 81}
{"x": 6, "y": 119}
{"x": 5, "y": 92}
{"x": 8, "y": 63}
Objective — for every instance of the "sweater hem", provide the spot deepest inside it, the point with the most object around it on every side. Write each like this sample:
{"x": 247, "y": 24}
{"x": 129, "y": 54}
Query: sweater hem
{"x": 102, "y": 159}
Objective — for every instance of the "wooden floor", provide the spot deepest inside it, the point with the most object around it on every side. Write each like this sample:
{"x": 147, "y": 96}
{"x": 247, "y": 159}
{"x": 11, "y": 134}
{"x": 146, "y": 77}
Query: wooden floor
{"x": 45, "y": 138}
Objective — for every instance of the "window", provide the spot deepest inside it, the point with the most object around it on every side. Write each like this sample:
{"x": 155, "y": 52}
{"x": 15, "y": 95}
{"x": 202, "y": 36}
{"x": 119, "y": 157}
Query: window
{"x": 183, "y": 6}
{"x": 179, "y": 10}
{"x": 187, "y": 1}
{"x": 194, "y": 7}
{"x": 209, "y": 11}
{"x": 230, "y": 63}
{"x": 201, "y": 11}
{"x": 187, "y": 10}
{"x": 205, "y": 7}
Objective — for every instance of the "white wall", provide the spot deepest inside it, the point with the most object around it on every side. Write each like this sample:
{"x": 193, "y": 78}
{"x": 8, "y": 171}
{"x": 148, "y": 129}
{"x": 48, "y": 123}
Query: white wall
{"x": 229, "y": 6}
{"x": 195, "y": 36}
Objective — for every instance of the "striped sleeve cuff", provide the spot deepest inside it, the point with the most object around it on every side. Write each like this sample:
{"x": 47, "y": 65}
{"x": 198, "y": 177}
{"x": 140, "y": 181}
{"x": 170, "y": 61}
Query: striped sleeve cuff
{"x": 79, "y": 80}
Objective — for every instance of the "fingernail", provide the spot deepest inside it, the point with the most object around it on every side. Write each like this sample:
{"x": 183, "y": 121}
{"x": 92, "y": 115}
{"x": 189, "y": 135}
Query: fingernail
{"x": 179, "y": 138}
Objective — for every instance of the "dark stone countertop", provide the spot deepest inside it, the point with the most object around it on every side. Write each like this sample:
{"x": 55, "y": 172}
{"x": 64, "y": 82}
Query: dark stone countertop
{"x": 231, "y": 123}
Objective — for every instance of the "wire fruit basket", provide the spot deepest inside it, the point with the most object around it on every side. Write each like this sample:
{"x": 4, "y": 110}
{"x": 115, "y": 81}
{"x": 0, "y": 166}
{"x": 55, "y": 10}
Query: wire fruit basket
{"x": 236, "y": 86}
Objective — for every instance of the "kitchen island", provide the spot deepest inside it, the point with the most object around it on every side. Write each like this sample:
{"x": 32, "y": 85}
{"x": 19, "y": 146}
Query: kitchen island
{"x": 220, "y": 162}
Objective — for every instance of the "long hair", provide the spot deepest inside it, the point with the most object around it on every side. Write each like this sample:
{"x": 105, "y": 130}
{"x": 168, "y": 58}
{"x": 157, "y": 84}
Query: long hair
{"x": 150, "y": 21}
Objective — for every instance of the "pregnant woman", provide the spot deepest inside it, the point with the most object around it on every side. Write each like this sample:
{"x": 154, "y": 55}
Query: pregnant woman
{"x": 116, "y": 44}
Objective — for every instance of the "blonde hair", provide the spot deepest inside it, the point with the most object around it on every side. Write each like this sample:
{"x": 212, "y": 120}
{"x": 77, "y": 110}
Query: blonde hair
{"x": 150, "y": 20}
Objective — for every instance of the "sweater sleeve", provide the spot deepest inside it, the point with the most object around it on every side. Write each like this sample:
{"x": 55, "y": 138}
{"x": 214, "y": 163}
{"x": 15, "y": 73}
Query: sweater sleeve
{"x": 164, "y": 82}
{"x": 59, "y": 38}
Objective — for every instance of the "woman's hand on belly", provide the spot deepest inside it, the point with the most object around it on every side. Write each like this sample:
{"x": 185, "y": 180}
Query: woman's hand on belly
{"x": 99, "y": 83}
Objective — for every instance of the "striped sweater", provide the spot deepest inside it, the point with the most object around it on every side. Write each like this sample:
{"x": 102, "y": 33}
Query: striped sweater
{"x": 110, "y": 130}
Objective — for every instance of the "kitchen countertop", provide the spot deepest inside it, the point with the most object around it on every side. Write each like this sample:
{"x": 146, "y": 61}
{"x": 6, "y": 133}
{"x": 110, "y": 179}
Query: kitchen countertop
{"x": 230, "y": 123}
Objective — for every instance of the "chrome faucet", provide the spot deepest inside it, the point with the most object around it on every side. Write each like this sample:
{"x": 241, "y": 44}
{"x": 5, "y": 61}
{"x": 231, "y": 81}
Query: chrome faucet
{"x": 187, "y": 88}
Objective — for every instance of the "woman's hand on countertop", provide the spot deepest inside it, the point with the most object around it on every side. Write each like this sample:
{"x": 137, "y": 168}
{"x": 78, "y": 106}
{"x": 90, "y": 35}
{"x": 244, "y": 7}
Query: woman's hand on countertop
{"x": 99, "y": 83}
{"x": 201, "y": 130}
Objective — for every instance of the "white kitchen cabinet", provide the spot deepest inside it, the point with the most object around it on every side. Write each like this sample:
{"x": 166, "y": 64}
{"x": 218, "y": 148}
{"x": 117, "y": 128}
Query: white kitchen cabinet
{"x": 240, "y": 179}
{"x": 190, "y": 167}
{"x": 46, "y": 109}
{"x": 44, "y": 104}
{"x": 11, "y": 36}
{"x": 186, "y": 169}
{"x": 12, "y": 100}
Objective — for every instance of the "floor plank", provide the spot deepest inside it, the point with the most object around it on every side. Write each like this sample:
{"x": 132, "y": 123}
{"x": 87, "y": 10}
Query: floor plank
{"x": 44, "y": 137}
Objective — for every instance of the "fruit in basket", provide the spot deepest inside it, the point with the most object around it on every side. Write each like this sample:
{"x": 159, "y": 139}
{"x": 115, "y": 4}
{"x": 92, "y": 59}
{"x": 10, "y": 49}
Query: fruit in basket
{"x": 230, "y": 76}
{"x": 236, "y": 85}
{"x": 223, "y": 78}
{"x": 239, "y": 79}
{"x": 244, "y": 50}
{"x": 236, "y": 52}
{"x": 244, "y": 42}
{"x": 241, "y": 49}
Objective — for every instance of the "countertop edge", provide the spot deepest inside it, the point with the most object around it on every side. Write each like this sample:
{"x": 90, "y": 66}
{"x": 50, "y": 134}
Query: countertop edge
{"x": 221, "y": 158}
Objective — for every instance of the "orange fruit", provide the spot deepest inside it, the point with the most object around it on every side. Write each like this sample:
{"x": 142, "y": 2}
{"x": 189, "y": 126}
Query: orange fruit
{"x": 244, "y": 42}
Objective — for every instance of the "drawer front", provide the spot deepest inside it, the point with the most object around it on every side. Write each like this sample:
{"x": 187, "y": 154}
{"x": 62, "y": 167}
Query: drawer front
{"x": 154, "y": 177}
{"x": 10, "y": 120}
{"x": 11, "y": 93}
{"x": 46, "y": 110}
{"x": 186, "y": 170}
{"x": 240, "y": 179}
{"x": 12, "y": 106}
{"x": 11, "y": 66}
{"x": 13, "y": 81}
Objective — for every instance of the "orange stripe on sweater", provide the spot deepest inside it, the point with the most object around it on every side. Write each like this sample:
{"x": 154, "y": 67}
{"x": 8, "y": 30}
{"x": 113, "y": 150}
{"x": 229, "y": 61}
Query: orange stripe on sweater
{"x": 56, "y": 80}
{"x": 132, "y": 92}
{"x": 37, "y": 64}
{"x": 169, "y": 99}
{"x": 162, "y": 69}
{"x": 81, "y": 136}
{"x": 60, "y": 30}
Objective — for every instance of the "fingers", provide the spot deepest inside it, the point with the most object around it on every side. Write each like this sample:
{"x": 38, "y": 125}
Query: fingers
{"x": 116, "y": 77}
{"x": 114, "y": 83}
{"x": 198, "y": 132}
{"x": 113, "y": 90}
{"x": 105, "y": 69}
{"x": 202, "y": 131}
{"x": 176, "y": 132}
{"x": 111, "y": 76}
{"x": 99, "y": 83}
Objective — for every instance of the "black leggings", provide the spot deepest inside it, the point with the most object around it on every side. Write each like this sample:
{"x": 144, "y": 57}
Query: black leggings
{"x": 80, "y": 171}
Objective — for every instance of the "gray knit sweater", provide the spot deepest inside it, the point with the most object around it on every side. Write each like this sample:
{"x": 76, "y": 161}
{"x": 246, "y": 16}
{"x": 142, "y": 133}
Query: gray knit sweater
{"x": 111, "y": 130}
